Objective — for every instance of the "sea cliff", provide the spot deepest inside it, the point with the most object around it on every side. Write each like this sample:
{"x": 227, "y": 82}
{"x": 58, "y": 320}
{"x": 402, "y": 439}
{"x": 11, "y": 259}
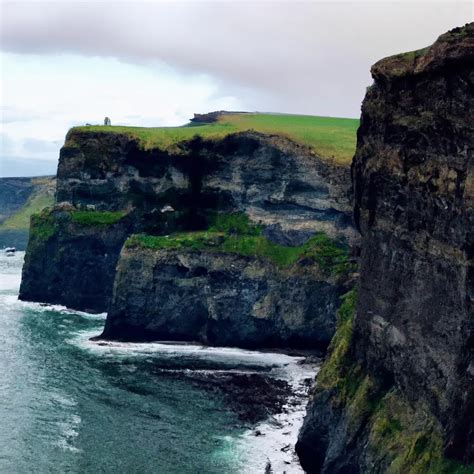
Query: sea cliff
{"x": 396, "y": 393}
{"x": 244, "y": 219}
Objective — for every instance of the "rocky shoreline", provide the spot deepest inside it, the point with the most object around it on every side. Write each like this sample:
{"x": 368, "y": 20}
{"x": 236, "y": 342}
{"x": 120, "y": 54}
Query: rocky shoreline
{"x": 269, "y": 400}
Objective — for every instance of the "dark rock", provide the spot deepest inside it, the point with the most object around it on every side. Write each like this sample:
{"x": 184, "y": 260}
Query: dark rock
{"x": 220, "y": 299}
{"x": 265, "y": 177}
{"x": 73, "y": 264}
{"x": 413, "y": 335}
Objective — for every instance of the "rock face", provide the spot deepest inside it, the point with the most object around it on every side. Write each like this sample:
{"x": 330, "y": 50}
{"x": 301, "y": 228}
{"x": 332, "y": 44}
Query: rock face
{"x": 281, "y": 185}
{"x": 70, "y": 262}
{"x": 409, "y": 356}
{"x": 272, "y": 179}
{"x": 220, "y": 299}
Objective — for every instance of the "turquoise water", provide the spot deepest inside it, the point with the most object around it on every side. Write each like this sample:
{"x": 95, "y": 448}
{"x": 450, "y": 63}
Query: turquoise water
{"x": 70, "y": 405}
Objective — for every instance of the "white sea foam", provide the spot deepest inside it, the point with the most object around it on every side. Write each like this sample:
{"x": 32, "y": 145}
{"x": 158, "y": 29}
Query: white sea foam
{"x": 270, "y": 441}
{"x": 43, "y": 307}
{"x": 273, "y": 441}
{"x": 271, "y": 359}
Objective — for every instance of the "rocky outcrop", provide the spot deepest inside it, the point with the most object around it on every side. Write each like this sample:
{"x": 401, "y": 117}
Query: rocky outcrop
{"x": 271, "y": 178}
{"x": 221, "y": 298}
{"x": 397, "y": 392}
{"x": 283, "y": 186}
{"x": 72, "y": 256}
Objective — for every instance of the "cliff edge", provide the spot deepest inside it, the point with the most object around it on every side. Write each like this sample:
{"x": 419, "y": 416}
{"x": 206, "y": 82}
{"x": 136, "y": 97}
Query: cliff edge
{"x": 396, "y": 393}
{"x": 200, "y": 209}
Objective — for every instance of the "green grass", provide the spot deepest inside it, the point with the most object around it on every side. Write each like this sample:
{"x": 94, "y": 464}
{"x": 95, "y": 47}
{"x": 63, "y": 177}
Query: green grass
{"x": 233, "y": 233}
{"x": 43, "y": 226}
{"x": 20, "y": 220}
{"x": 96, "y": 218}
{"x": 338, "y": 371}
{"x": 234, "y": 223}
{"x": 411, "y": 437}
{"x": 408, "y": 436}
{"x": 330, "y": 137}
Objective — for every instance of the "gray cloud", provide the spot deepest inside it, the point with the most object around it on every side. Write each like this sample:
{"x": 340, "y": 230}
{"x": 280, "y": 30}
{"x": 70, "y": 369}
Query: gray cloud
{"x": 307, "y": 57}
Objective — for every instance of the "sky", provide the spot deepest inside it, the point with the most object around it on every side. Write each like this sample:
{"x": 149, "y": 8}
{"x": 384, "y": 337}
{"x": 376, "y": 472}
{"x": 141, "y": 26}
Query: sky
{"x": 156, "y": 63}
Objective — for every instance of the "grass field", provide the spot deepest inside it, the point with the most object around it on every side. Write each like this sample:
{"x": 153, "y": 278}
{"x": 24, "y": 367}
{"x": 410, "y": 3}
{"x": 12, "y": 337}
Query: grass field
{"x": 327, "y": 136}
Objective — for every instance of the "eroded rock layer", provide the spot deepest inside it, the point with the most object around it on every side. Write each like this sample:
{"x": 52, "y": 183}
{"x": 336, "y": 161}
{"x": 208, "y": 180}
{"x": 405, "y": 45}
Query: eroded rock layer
{"x": 411, "y": 343}
{"x": 220, "y": 299}
{"x": 109, "y": 186}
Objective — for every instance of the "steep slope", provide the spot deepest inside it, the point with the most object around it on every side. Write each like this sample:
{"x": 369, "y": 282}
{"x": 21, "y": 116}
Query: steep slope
{"x": 228, "y": 286}
{"x": 19, "y": 199}
{"x": 117, "y": 181}
{"x": 397, "y": 392}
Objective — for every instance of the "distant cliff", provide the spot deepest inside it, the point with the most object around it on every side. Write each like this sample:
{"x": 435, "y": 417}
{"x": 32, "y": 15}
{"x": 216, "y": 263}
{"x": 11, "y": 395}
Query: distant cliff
{"x": 225, "y": 217}
{"x": 397, "y": 391}
{"x": 19, "y": 199}
{"x": 229, "y": 286}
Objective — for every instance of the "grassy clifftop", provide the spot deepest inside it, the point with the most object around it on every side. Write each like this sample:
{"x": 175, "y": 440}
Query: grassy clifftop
{"x": 327, "y": 136}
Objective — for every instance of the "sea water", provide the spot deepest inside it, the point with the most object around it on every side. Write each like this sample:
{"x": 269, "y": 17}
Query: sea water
{"x": 68, "y": 404}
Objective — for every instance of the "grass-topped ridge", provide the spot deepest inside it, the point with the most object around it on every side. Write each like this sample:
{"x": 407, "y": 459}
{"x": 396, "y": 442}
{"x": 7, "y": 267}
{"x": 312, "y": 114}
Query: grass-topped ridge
{"x": 96, "y": 218}
{"x": 45, "y": 224}
{"x": 329, "y": 137}
{"x": 233, "y": 233}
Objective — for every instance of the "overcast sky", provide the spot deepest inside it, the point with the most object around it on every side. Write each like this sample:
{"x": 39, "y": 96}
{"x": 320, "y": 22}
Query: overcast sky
{"x": 155, "y": 63}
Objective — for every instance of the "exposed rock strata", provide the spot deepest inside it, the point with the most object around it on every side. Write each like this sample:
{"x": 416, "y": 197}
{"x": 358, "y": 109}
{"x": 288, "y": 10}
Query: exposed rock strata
{"x": 413, "y": 333}
{"x": 276, "y": 182}
{"x": 220, "y": 299}
{"x": 271, "y": 178}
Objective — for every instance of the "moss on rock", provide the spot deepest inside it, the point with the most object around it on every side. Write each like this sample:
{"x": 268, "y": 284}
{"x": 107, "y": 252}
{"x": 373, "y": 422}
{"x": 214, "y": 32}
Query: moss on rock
{"x": 43, "y": 226}
{"x": 234, "y": 233}
{"x": 96, "y": 218}
{"x": 404, "y": 437}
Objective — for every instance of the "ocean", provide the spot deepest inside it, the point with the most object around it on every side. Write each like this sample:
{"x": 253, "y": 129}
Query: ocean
{"x": 68, "y": 404}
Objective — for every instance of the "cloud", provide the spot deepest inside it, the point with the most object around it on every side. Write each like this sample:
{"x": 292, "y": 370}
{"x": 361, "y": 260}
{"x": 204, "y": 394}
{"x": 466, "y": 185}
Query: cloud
{"x": 309, "y": 57}
{"x": 149, "y": 63}
{"x": 11, "y": 167}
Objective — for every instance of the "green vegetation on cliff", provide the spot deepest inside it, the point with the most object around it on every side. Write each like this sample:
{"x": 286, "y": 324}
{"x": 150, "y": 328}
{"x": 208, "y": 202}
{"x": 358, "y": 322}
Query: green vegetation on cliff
{"x": 97, "y": 218}
{"x": 406, "y": 436}
{"x": 21, "y": 219}
{"x": 327, "y": 136}
{"x": 45, "y": 223}
{"x": 336, "y": 371}
{"x": 31, "y": 196}
{"x": 43, "y": 226}
{"x": 233, "y": 233}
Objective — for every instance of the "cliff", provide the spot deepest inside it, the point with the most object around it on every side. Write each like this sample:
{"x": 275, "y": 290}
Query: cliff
{"x": 19, "y": 199}
{"x": 234, "y": 289}
{"x": 240, "y": 199}
{"x": 396, "y": 393}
